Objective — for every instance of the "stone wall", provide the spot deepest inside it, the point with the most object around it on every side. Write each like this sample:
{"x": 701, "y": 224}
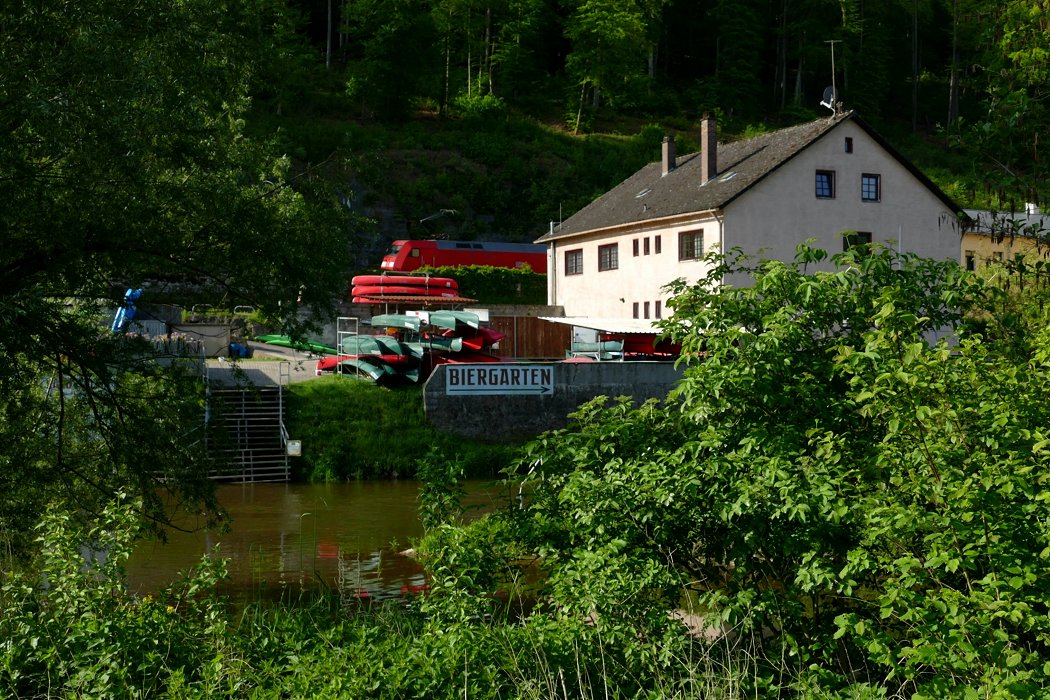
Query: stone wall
{"x": 506, "y": 416}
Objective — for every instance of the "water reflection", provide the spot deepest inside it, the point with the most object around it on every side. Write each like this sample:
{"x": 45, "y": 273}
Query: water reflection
{"x": 292, "y": 538}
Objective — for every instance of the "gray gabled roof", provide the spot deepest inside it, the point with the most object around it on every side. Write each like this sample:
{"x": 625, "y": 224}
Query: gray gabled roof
{"x": 648, "y": 195}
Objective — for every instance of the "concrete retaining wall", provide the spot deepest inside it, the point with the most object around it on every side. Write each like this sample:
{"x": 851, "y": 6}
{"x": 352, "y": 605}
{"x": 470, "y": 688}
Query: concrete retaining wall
{"x": 505, "y": 416}
{"x": 214, "y": 337}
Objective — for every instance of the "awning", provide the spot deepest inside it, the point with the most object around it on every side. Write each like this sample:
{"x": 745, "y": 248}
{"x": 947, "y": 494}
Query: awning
{"x": 608, "y": 325}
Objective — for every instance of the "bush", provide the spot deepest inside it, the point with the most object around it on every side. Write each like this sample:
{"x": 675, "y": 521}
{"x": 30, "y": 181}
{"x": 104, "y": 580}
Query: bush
{"x": 497, "y": 285}
{"x": 69, "y": 628}
{"x": 866, "y": 508}
{"x": 354, "y": 429}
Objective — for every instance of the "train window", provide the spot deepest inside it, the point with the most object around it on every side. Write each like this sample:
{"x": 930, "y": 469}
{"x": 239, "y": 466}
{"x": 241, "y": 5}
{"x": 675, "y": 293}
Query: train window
{"x": 462, "y": 245}
{"x": 414, "y": 253}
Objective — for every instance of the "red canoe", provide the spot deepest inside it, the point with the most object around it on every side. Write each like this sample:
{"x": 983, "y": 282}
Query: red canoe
{"x": 329, "y": 364}
{"x": 362, "y": 290}
{"x": 404, "y": 281}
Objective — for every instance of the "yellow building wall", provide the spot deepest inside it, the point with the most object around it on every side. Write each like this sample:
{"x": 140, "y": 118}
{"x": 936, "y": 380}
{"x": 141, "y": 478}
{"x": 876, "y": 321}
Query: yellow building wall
{"x": 981, "y": 249}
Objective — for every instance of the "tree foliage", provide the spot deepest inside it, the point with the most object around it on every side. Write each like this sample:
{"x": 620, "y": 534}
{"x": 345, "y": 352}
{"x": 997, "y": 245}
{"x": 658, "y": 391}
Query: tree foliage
{"x": 866, "y": 507}
{"x": 124, "y": 164}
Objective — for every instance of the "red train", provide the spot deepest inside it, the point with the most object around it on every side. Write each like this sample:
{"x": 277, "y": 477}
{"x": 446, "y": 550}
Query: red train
{"x": 406, "y": 256}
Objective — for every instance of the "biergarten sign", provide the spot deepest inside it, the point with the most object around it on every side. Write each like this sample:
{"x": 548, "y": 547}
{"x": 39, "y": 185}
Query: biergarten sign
{"x": 490, "y": 380}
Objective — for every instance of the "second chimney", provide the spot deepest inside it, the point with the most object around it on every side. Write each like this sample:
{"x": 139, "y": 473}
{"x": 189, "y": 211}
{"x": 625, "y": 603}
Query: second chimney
{"x": 669, "y": 157}
{"x": 708, "y": 149}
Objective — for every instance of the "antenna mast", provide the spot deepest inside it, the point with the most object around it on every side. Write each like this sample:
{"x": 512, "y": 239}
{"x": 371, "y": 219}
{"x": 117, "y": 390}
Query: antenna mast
{"x": 834, "y": 89}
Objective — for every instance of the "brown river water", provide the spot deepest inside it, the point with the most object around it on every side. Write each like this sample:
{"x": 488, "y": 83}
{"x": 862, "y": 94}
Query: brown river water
{"x": 290, "y": 539}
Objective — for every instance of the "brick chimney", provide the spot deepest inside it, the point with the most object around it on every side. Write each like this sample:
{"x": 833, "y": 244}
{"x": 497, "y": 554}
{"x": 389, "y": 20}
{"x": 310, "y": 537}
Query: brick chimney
{"x": 708, "y": 149}
{"x": 669, "y": 158}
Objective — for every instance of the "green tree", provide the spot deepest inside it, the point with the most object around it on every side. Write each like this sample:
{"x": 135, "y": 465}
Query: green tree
{"x": 611, "y": 42}
{"x": 124, "y": 164}
{"x": 1015, "y": 81}
{"x": 393, "y": 60}
{"x": 862, "y": 505}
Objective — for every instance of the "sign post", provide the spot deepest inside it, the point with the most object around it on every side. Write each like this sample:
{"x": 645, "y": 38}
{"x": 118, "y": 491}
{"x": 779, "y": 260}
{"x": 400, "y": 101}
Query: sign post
{"x": 494, "y": 379}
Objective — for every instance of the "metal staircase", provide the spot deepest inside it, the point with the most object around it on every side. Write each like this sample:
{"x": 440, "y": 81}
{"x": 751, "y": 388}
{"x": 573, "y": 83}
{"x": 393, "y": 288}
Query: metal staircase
{"x": 255, "y": 446}
{"x": 253, "y": 439}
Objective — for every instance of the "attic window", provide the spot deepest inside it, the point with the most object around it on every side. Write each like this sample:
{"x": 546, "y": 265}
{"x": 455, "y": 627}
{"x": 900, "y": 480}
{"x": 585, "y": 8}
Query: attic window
{"x": 644, "y": 192}
{"x": 728, "y": 176}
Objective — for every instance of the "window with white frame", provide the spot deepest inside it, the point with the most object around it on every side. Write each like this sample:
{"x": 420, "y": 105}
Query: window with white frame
{"x": 574, "y": 262}
{"x": 691, "y": 245}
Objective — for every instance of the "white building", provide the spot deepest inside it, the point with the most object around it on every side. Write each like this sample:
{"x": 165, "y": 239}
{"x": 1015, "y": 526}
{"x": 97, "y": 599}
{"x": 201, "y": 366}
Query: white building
{"x": 764, "y": 195}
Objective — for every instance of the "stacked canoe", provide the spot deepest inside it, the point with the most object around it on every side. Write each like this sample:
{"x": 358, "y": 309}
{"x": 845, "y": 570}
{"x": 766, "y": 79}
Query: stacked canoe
{"x": 370, "y": 288}
{"x": 407, "y": 347}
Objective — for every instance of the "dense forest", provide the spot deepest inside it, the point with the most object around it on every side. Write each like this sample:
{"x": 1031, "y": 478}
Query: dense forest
{"x": 462, "y": 118}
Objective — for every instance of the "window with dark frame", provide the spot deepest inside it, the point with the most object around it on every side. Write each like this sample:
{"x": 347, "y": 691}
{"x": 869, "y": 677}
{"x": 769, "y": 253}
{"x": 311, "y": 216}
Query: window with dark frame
{"x": 658, "y": 310}
{"x": 869, "y": 187}
{"x": 656, "y": 245}
{"x": 634, "y": 247}
{"x": 825, "y": 184}
{"x": 855, "y": 239}
{"x": 646, "y": 307}
{"x": 574, "y": 262}
{"x": 691, "y": 245}
{"x": 608, "y": 257}
{"x": 635, "y": 305}
{"x": 645, "y": 245}
{"x": 849, "y": 144}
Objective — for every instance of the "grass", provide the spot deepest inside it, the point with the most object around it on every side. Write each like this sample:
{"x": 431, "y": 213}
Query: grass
{"x": 354, "y": 429}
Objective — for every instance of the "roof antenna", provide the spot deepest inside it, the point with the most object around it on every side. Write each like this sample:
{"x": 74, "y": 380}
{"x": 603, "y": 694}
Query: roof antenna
{"x": 831, "y": 93}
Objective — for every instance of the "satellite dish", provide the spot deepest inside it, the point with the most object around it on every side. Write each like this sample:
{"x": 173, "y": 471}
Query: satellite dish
{"x": 831, "y": 96}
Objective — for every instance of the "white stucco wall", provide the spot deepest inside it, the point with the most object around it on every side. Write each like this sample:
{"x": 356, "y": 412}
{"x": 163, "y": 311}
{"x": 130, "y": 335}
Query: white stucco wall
{"x": 782, "y": 210}
{"x": 638, "y": 279}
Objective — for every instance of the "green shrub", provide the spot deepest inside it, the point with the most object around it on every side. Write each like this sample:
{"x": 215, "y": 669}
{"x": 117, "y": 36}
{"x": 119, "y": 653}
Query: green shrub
{"x": 497, "y": 285}
{"x": 68, "y": 627}
{"x": 355, "y": 429}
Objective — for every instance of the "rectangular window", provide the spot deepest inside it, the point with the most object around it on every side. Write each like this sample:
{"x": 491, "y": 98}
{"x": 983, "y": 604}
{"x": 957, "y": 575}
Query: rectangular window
{"x": 825, "y": 186}
{"x": 634, "y": 247}
{"x": 656, "y": 245}
{"x": 645, "y": 245}
{"x": 971, "y": 261}
{"x": 574, "y": 262}
{"x": 849, "y": 144}
{"x": 658, "y": 310}
{"x": 869, "y": 187}
{"x": 608, "y": 257}
{"x": 997, "y": 256}
{"x": 691, "y": 245}
{"x": 646, "y": 309}
{"x": 635, "y": 305}
{"x": 853, "y": 239}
